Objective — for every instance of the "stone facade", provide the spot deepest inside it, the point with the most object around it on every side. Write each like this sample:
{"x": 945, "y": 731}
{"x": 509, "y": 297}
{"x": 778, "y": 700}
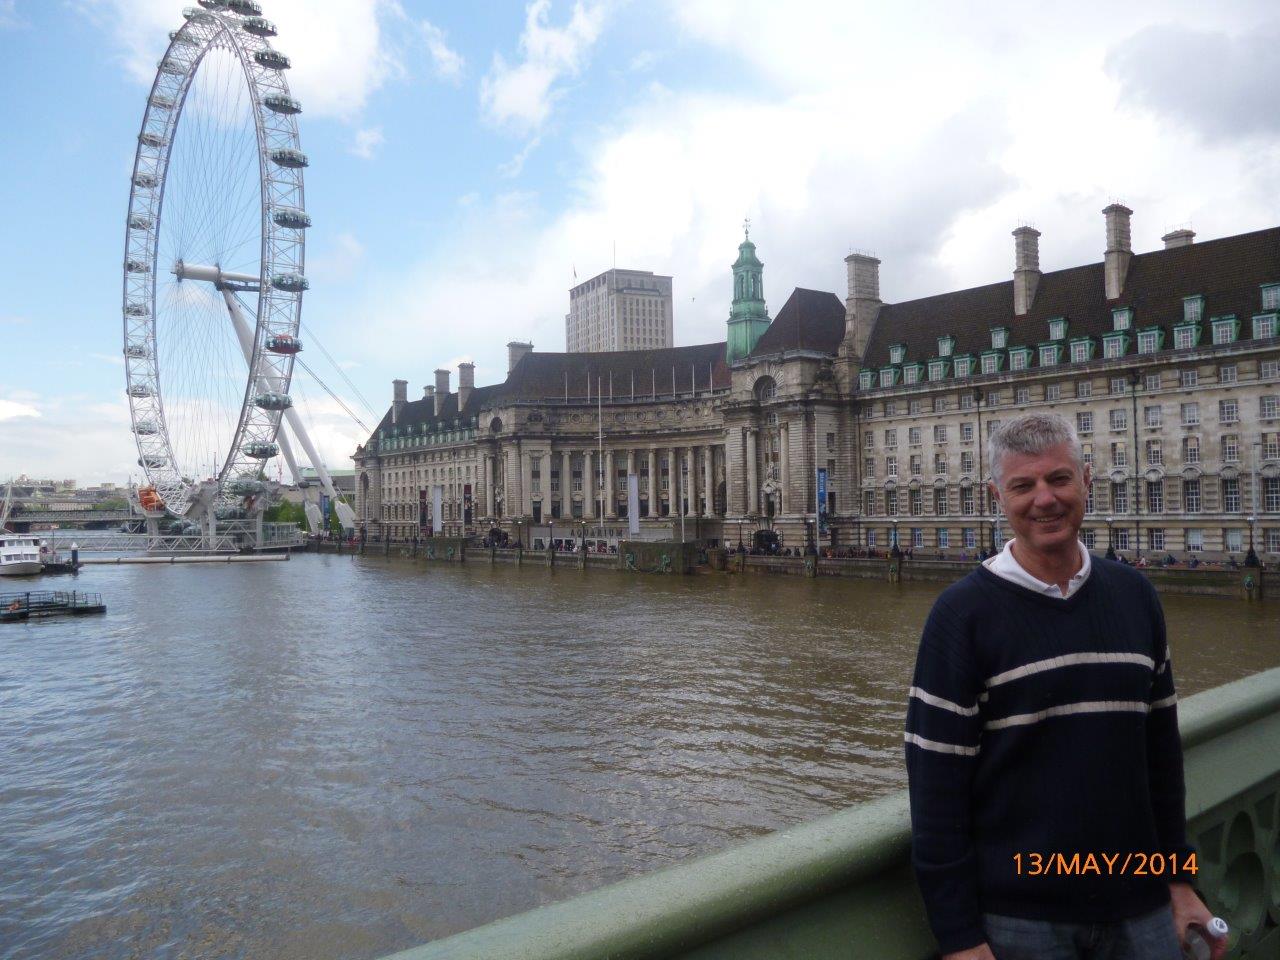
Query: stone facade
{"x": 620, "y": 310}
{"x": 1168, "y": 361}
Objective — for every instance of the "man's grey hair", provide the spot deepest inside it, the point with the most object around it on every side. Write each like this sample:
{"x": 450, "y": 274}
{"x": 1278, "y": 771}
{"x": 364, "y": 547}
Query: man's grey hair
{"x": 1032, "y": 433}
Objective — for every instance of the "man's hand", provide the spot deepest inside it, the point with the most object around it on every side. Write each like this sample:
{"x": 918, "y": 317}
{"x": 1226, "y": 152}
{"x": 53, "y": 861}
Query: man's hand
{"x": 1188, "y": 908}
{"x": 980, "y": 952}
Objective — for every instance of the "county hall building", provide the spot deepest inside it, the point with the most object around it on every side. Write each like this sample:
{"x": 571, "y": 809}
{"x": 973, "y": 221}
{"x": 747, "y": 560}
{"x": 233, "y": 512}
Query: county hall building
{"x": 1167, "y": 361}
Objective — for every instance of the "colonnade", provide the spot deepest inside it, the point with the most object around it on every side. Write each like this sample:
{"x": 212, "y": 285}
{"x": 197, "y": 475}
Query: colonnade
{"x": 527, "y": 473}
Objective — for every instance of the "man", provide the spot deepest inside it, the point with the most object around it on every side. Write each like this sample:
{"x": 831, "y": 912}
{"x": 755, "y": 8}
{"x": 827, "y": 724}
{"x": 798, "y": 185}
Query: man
{"x": 1042, "y": 738}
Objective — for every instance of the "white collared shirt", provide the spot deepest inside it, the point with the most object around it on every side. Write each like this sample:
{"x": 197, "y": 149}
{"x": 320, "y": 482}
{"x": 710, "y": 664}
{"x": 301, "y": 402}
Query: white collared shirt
{"x": 1004, "y": 564}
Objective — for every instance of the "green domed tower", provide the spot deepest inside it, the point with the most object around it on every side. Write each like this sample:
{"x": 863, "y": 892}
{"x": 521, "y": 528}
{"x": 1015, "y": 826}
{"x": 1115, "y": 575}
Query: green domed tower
{"x": 748, "y": 317}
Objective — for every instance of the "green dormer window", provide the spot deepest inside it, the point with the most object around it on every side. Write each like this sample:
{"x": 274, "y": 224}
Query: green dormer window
{"x": 1186, "y": 336}
{"x": 1050, "y": 354}
{"x": 1020, "y": 358}
{"x": 992, "y": 360}
{"x": 1121, "y": 318}
{"x": 1225, "y": 329}
{"x": 1115, "y": 345}
{"x": 964, "y": 365}
{"x": 1271, "y": 296}
{"x": 1264, "y": 326}
{"x": 1192, "y": 309}
{"x": 913, "y": 373}
{"x": 897, "y": 352}
{"x": 1082, "y": 349}
{"x": 938, "y": 369}
{"x": 888, "y": 376}
{"x": 999, "y": 338}
{"x": 867, "y": 379}
{"x": 1058, "y": 329}
{"x": 946, "y": 345}
{"x": 1150, "y": 340}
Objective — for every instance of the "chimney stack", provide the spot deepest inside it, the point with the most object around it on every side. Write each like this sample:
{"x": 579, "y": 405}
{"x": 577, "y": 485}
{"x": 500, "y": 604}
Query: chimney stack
{"x": 1119, "y": 248}
{"x": 862, "y": 305}
{"x": 428, "y": 393}
{"x": 466, "y": 383}
{"x": 516, "y": 350}
{"x": 1179, "y": 238}
{"x": 442, "y": 390}
{"x": 1026, "y": 268}
{"x": 399, "y": 397}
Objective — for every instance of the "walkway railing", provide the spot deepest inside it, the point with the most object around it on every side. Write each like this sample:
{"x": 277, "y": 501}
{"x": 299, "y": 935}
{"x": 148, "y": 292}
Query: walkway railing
{"x": 842, "y": 886}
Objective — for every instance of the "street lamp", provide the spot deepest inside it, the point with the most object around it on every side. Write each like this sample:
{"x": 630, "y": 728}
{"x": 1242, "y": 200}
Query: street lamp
{"x": 1111, "y": 540}
{"x": 995, "y": 521}
{"x": 1251, "y": 558}
{"x": 551, "y": 533}
{"x": 740, "y": 547}
{"x": 582, "y": 529}
{"x": 896, "y": 549}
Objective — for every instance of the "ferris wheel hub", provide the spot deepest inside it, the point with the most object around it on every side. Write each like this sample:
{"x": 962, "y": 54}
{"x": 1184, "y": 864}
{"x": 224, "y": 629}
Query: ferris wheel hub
{"x": 222, "y": 279}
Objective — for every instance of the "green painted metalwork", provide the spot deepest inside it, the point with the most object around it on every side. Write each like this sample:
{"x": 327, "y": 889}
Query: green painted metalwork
{"x": 748, "y": 315}
{"x": 842, "y": 886}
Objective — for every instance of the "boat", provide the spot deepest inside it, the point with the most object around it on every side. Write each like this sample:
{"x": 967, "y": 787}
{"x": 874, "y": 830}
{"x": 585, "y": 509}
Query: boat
{"x": 20, "y": 555}
{"x": 19, "y": 552}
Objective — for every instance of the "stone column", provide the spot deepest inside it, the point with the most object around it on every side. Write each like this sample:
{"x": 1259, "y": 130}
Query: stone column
{"x": 526, "y": 484}
{"x": 588, "y": 484}
{"x": 784, "y": 493}
{"x": 753, "y": 486}
{"x": 691, "y": 495}
{"x": 673, "y": 482}
{"x": 709, "y": 479}
{"x": 728, "y": 477}
{"x": 610, "y": 486}
{"x": 488, "y": 485}
{"x": 566, "y": 485}
{"x": 653, "y": 482}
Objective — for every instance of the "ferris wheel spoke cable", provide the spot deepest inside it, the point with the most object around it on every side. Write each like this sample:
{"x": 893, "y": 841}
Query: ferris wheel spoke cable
{"x": 342, "y": 373}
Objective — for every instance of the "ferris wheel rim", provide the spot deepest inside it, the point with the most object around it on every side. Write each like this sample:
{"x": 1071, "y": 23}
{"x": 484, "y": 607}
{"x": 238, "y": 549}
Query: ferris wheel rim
{"x": 281, "y": 258}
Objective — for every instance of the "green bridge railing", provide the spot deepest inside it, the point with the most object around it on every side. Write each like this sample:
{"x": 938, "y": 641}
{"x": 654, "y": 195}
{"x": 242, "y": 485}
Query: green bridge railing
{"x": 842, "y": 886}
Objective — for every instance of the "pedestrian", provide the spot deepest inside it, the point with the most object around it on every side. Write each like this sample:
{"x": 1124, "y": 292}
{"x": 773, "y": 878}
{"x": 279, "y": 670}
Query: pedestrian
{"x": 1042, "y": 724}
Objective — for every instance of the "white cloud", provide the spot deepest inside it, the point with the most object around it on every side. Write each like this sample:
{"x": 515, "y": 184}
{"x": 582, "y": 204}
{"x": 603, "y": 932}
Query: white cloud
{"x": 13, "y": 320}
{"x": 519, "y": 96}
{"x": 367, "y": 142}
{"x": 993, "y": 123}
{"x": 9, "y": 14}
{"x": 340, "y": 49}
{"x": 12, "y": 410}
{"x": 513, "y": 167}
{"x": 447, "y": 63}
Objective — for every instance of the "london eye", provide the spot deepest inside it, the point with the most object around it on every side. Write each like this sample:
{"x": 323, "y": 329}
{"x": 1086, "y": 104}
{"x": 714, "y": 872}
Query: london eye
{"x": 214, "y": 268}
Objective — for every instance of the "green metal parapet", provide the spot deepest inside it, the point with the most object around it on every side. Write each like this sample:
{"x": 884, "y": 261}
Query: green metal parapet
{"x": 842, "y": 886}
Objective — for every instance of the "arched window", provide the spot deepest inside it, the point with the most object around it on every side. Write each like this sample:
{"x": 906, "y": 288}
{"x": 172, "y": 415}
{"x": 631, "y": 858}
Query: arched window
{"x": 495, "y": 425}
{"x": 766, "y": 389}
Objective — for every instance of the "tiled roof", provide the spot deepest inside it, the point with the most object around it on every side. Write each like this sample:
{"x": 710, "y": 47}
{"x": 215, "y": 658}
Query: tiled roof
{"x": 809, "y": 320}
{"x": 554, "y": 376}
{"x": 1226, "y": 272}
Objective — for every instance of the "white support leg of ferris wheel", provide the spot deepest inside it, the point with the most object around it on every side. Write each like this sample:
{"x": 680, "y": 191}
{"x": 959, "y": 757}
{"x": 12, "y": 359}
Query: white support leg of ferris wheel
{"x": 346, "y": 517}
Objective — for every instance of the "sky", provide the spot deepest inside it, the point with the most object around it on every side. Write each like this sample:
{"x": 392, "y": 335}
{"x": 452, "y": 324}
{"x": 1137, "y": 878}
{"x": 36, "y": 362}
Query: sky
{"x": 468, "y": 160}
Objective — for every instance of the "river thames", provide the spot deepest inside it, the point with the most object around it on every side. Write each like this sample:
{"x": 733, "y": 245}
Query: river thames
{"x": 340, "y": 757}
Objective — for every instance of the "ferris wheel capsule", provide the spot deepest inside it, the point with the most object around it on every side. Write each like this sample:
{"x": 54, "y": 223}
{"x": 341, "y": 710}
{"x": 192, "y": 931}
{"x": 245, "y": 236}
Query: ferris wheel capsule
{"x": 174, "y": 68}
{"x": 139, "y": 390}
{"x": 149, "y": 139}
{"x": 249, "y": 8}
{"x": 137, "y": 310}
{"x": 139, "y": 221}
{"x": 146, "y": 428}
{"x": 288, "y": 157}
{"x": 145, "y": 181}
{"x": 245, "y": 487}
{"x": 137, "y": 351}
{"x": 137, "y": 266}
{"x": 272, "y": 60}
{"x": 284, "y": 343}
{"x": 279, "y": 103}
{"x": 290, "y": 282}
{"x": 260, "y": 27}
{"x": 291, "y": 217}
{"x": 152, "y": 462}
{"x": 212, "y": 4}
{"x": 260, "y": 450}
{"x": 273, "y": 401}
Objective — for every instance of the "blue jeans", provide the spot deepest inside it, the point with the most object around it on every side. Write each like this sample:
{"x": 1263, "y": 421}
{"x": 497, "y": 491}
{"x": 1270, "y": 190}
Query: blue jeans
{"x": 1148, "y": 937}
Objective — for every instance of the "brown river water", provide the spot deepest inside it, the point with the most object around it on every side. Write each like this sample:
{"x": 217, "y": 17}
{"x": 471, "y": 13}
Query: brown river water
{"x": 340, "y": 757}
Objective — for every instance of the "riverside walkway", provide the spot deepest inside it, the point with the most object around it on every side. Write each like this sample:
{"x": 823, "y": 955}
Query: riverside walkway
{"x": 842, "y": 886}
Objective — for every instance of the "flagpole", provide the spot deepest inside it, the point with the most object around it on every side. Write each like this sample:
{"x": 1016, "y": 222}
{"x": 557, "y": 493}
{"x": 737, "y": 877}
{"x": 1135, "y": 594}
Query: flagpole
{"x": 599, "y": 454}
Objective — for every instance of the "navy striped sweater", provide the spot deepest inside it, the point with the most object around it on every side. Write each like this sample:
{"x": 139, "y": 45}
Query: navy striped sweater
{"x": 1037, "y": 725}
